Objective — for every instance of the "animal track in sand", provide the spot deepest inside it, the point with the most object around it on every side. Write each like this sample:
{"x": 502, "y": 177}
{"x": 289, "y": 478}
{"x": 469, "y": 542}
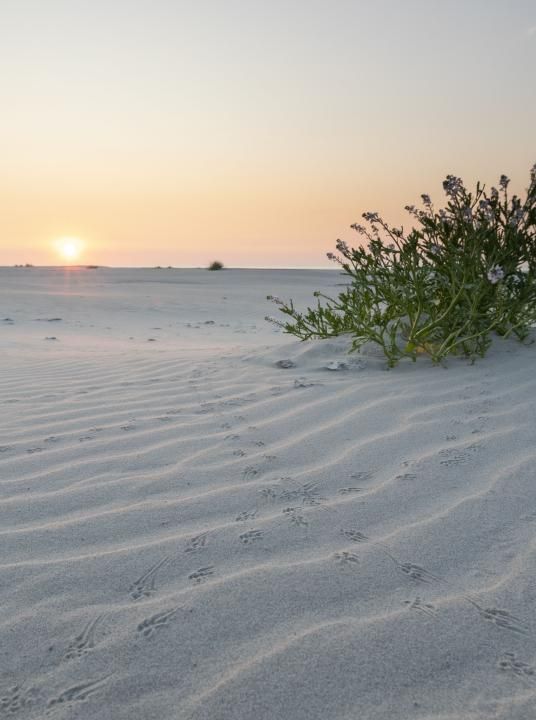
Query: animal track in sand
{"x": 84, "y": 642}
{"x": 250, "y": 472}
{"x": 355, "y": 536}
{"x": 501, "y": 618}
{"x": 246, "y": 515}
{"x": 416, "y": 572}
{"x": 346, "y": 559}
{"x": 349, "y": 490}
{"x": 295, "y": 517}
{"x": 6, "y": 448}
{"x": 453, "y": 458}
{"x": 421, "y": 606}
{"x": 33, "y": 450}
{"x": 18, "y": 698}
{"x": 205, "y": 408}
{"x": 303, "y": 382}
{"x": 144, "y": 585}
{"x": 457, "y": 456}
{"x": 411, "y": 570}
{"x": 363, "y": 475}
{"x": 156, "y": 622}
{"x": 269, "y": 493}
{"x": 196, "y": 543}
{"x": 306, "y": 493}
{"x": 251, "y": 536}
{"x": 202, "y": 574}
{"x": 406, "y": 477}
{"x": 78, "y": 693}
{"x": 509, "y": 663}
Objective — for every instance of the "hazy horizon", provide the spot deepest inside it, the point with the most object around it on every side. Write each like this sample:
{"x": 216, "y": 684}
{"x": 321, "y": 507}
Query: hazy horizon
{"x": 254, "y": 133}
{"x": 85, "y": 266}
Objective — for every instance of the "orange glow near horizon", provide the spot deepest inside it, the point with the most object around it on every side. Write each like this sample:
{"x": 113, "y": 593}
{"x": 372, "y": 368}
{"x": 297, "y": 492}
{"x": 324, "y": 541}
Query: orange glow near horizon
{"x": 254, "y": 133}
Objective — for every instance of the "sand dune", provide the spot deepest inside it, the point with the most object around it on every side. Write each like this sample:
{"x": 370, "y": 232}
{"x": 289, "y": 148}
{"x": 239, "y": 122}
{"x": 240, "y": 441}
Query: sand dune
{"x": 189, "y": 531}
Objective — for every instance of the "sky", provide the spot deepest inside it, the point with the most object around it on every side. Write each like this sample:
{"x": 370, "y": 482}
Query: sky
{"x": 255, "y": 132}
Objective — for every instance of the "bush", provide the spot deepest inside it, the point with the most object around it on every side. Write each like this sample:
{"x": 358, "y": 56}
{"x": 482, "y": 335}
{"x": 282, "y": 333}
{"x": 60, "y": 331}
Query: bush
{"x": 465, "y": 272}
{"x": 215, "y": 265}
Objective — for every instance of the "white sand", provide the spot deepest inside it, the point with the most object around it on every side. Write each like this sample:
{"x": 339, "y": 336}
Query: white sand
{"x": 188, "y": 531}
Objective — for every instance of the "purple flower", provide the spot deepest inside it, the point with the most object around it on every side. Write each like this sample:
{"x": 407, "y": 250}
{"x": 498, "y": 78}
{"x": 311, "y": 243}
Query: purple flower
{"x": 453, "y": 186}
{"x": 426, "y": 200}
{"x": 503, "y": 182}
{"x": 496, "y": 274}
{"x": 358, "y": 228}
{"x": 413, "y": 211}
{"x": 372, "y": 217}
{"x": 486, "y": 210}
{"x": 516, "y": 217}
{"x": 332, "y": 256}
{"x": 342, "y": 247}
{"x": 467, "y": 214}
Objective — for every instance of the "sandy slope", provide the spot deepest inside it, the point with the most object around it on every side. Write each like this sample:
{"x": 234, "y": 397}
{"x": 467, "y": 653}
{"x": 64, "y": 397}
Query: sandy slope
{"x": 188, "y": 531}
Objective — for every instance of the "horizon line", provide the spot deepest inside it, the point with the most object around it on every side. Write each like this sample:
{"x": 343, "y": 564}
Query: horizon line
{"x": 89, "y": 266}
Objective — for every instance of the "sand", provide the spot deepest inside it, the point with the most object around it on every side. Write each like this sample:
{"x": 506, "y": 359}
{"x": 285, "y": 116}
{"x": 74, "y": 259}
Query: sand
{"x": 189, "y": 531}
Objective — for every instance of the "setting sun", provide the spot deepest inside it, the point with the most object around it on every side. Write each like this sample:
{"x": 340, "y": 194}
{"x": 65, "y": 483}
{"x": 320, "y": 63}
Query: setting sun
{"x": 69, "y": 248}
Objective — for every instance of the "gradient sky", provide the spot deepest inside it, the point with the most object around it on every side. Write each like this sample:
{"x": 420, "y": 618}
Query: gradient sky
{"x": 253, "y": 131}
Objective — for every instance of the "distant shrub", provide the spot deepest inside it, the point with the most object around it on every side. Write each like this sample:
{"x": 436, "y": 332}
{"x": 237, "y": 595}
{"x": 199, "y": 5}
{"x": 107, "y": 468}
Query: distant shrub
{"x": 465, "y": 272}
{"x": 215, "y": 265}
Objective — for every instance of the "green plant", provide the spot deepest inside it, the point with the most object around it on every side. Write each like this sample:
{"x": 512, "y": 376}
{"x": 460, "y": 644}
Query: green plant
{"x": 215, "y": 265}
{"x": 465, "y": 272}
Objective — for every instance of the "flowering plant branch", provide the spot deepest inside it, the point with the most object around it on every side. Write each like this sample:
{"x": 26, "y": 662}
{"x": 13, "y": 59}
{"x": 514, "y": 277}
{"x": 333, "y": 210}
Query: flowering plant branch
{"x": 464, "y": 272}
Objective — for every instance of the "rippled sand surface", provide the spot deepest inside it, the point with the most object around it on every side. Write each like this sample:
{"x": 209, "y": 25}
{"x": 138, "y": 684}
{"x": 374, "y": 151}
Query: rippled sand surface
{"x": 190, "y": 531}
